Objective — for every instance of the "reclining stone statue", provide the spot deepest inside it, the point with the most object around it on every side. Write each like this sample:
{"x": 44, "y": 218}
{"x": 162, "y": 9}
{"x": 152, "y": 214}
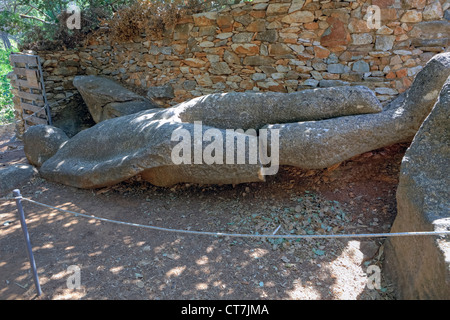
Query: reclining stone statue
{"x": 313, "y": 128}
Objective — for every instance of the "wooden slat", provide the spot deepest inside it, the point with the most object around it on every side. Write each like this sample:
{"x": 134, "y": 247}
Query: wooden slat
{"x": 28, "y": 84}
{"x": 19, "y": 58}
{"x": 33, "y": 79}
{"x": 35, "y": 120}
{"x": 30, "y": 96}
{"x": 25, "y": 72}
{"x": 32, "y": 108}
{"x": 28, "y": 78}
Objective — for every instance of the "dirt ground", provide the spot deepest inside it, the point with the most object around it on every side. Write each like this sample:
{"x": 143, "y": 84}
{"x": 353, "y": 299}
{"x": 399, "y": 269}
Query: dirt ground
{"x": 124, "y": 262}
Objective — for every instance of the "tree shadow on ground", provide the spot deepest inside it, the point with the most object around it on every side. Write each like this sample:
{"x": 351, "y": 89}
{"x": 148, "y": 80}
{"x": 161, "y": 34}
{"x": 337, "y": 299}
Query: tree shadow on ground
{"x": 125, "y": 262}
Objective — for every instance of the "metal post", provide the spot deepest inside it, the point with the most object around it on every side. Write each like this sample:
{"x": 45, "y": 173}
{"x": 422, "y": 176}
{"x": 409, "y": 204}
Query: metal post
{"x": 23, "y": 223}
{"x": 47, "y": 106}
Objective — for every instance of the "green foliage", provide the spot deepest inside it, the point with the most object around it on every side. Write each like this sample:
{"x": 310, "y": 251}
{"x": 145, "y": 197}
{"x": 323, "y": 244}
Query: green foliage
{"x": 39, "y": 22}
{"x": 6, "y": 102}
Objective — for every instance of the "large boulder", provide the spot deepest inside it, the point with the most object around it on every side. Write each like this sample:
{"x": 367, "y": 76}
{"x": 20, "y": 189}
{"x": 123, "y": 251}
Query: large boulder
{"x": 15, "y": 176}
{"x": 321, "y": 144}
{"x": 421, "y": 265}
{"x": 245, "y": 110}
{"x": 41, "y": 142}
{"x": 331, "y": 131}
{"x": 106, "y": 98}
{"x": 142, "y": 143}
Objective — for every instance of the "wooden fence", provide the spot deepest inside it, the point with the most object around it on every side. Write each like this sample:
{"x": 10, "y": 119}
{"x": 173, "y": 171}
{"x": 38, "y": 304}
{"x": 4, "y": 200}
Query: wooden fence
{"x": 30, "y": 90}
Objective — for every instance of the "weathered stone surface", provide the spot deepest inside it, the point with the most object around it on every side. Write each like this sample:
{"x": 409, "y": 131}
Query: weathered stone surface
{"x": 161, "y": 92}
{"x": 299, "y": 17}
{"x": 73, "y": 117}
{"x": 15, "y": 176}
{"x": 360, "y": 66}
{"x": 258, "y": 61}
{"x": 205, "y": 18}
{"x": 337, "y": 68}
{"x": 244, "y": 110}
{"x": 411, "y": 16}
{"x": 431, "y": 30}
{"x": 279, "y": 49}
{"x": 98, "y": 92}
{"x": 320, "y": 144}
{"x": 120, "y": 148}
{"x": 324, "y": 83}
{"x": 220, "y": 68}
{"x": 383, "y": 3}
{"x": 245, "y": 48}
{"x": 142, "y": 143}
{"x": 296, "y": 5}
{"x": 41, "y": 142}
{"x": 361, "y": 38}
{"x": 181, "y": 31}
{"x": 384, "y": 43}
{"x": 194, "y": 62}
{"x": 231, "y": 58}
{"x": 120, "y": 109}
{"x": 420, "y": 266}
{"x": 418, "y": 4}
{"x": 257, "y": 26}
{"x": 117, "y": 149}
{"x": 268, "y": 35}
{"x": 433, "y": 11}
{"x": 314, "y": 30}
{"x": 336, "y": 34}
{"x": 278, "y": 8}
{"x": 243, "y": 37}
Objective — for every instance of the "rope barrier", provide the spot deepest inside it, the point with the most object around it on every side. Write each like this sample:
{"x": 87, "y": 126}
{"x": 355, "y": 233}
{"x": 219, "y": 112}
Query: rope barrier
{"x": 239, "y": 235}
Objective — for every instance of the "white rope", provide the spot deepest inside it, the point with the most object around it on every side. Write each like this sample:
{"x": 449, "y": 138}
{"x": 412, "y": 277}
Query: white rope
{"x": 239, "y": 235}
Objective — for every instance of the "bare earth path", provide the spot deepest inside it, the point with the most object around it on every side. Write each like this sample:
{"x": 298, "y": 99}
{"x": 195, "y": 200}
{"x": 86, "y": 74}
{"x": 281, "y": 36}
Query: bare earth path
{"x": 123, "y": 262}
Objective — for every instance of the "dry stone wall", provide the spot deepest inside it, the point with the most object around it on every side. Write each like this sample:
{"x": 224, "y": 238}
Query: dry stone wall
{"x": 267, "y": 45}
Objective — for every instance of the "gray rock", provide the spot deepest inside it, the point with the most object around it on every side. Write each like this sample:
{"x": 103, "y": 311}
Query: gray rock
{"x": 332, "y": 83}
{"x": 73, "y": 116}
{"x": 321, "y": 144}
{"x": 231, "y": 58}
{"x": 189, "y": 84}
{"x": 117, "y": 149}
{"x": 361, "y": 67}
{"x": 220, "y": 68}
{"x": 99, "y": 92}
{"x": 259, "y": 76}
{"x": 420, "y": 266}
{"x": 268, "y": 36}
{"x": 120, "y": 109}
{"x": 162, "y": 92}
{"x": 245, "y": 110}
{"x": 15, "y": 176}
{"x": 337, "y": 68}
{"x": 427, "y": 30}
{"x": 311, "y": 82}
{"x": 384, "y": 43}
{"x": 258, "y": 61}
{"x": 243, "y": 37}
{"x": 332, "y": 58}
{"x": 444, "y": 42}
{"x": 41, "y": 142}
{"x": 388, "y": 91}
